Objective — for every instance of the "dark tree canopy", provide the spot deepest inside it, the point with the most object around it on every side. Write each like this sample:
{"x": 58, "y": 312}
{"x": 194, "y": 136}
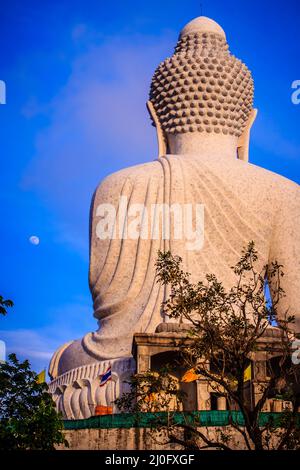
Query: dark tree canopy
{"x": 4, "y": 304}
{"x": 28, "y": 419}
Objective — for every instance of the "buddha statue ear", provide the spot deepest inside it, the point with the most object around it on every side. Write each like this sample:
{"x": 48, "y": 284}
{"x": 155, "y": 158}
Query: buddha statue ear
{"x": 161, "y": 136}
{"x": 244, "y": 139}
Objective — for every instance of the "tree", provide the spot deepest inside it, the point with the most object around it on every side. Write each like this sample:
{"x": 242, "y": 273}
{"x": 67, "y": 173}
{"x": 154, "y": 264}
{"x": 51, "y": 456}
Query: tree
{"x": 4, "y": 304}
{"x": 28, "y": 419}
{"x": 226, "y": 327}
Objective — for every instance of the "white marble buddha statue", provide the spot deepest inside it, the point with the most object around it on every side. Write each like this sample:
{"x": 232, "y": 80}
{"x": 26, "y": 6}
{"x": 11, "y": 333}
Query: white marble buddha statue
{"x": 201, "y": 102}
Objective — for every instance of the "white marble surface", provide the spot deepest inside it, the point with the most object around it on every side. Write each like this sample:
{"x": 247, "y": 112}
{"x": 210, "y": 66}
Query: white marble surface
{"x": 242, "y": 202}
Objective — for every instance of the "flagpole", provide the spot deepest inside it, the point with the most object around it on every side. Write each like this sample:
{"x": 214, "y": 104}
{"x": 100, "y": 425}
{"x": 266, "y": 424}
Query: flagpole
{"x": 111, "y": 394}
{"x": 111, "y": 405}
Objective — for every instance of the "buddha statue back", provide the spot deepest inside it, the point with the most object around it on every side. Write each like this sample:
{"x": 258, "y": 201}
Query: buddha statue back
{"x": 200, "y": 199}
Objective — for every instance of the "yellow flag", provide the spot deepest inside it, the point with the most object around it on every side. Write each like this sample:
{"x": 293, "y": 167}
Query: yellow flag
{"x": 189, "y": 376}
{"x": 247, "y": 376}
{"x": 41, "y": 377}
{"x": 247, "y": 373}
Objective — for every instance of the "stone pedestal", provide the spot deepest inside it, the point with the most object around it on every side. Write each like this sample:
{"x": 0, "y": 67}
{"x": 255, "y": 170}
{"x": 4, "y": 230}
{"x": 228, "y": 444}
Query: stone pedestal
{"x": 152, "y": 351}
{"x": 155, "y": 350}
{"x": 78, "y": 392}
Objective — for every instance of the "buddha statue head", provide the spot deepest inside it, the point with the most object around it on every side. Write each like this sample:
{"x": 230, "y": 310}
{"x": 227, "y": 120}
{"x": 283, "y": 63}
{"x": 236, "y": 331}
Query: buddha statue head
{"x": 202, "y": 93}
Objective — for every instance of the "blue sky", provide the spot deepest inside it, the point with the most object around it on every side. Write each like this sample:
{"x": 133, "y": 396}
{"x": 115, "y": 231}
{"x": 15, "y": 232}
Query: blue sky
{"x": 77, "y": 76}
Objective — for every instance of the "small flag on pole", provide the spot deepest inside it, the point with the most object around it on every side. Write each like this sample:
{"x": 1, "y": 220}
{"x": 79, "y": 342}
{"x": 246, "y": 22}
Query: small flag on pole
{"x": 41, "y": 377}
{"x": 105, "y": 377}
{"x": 189, "y": 376}
{"x": 246, "y": 377}
{"x": 247, "y": 373}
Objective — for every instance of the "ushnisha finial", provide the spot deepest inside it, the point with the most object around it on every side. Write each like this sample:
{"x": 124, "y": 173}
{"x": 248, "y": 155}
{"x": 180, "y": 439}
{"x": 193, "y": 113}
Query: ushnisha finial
{"x": 202, "y": 24}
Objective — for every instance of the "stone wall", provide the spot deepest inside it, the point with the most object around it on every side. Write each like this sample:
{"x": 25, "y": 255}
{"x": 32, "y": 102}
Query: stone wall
{"x": 124, "y": 439}
{"x": 113, "y": 439}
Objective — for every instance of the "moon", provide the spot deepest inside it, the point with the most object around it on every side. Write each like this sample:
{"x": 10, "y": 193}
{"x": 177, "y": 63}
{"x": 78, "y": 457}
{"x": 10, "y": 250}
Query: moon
{"x": 34, "y": 240}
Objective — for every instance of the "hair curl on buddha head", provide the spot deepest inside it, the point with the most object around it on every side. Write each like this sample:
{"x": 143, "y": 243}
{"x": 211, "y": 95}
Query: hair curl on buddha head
{"x": 202, "y": 87}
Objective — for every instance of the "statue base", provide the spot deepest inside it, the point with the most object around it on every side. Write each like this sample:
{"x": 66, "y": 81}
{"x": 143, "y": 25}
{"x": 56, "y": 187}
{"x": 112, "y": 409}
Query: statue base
{"x": 79, "y": 391}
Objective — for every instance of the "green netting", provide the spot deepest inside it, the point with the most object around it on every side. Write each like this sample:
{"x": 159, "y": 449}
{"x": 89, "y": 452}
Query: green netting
{"x": 148, "y": 420}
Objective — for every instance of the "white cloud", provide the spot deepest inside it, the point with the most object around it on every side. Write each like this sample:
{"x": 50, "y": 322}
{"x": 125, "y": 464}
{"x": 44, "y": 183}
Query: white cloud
{"x": 67, "y": 322}
{"x": 28, "y": 344}
{"x": 98, "y": 124}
